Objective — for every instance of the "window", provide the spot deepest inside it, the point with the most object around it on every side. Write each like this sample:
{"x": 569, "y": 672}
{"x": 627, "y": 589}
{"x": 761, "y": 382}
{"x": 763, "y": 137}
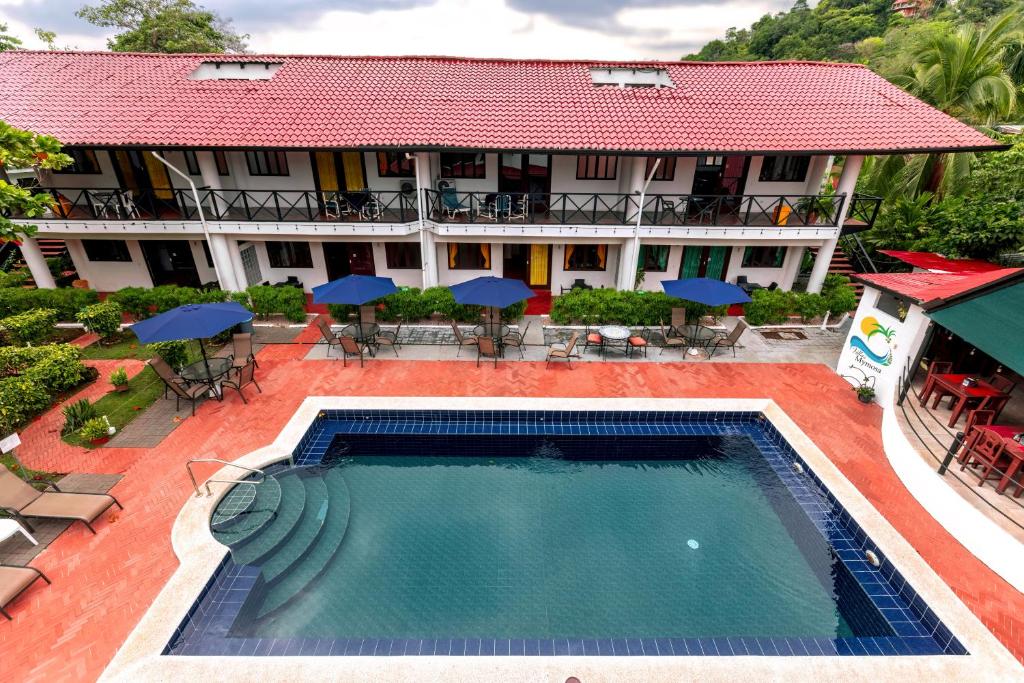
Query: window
{"x": 395, "y": 165}
{"x": 469, "y": 256}
{"x": 666, "y": 169}
{"x": 596, "y": 167}
{"x": 192, "y": 163}
{"x": 892, "y": 305}
{"x": 403, "y": 255}
{"x": 785, "y": 169}
{"x": 585, "y": 257}
{"x": 106, "y": 250}
{"x": 463, "y": 166}
{"x": 83, "y": 161}
{"x": 267, "y": 163}
{"x": 289, "y": 255}
{"x": 654, "y": 257}
{"x": 764, "y": 257}
{"x": 630, "y": 77}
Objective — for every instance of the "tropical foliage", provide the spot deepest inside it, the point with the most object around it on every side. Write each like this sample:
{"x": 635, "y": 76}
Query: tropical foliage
{"x": 172, "y": 26}
{"x": 24, "y": 149}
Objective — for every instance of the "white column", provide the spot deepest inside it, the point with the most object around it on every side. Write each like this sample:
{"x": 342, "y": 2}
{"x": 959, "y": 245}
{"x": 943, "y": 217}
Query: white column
{"x": 37, "y": 263}
{"x": 847, "y": 184}
{"x": 428, "y": 250}
{"x": 629, "y": 257}
{"x": 222, "y": 260}
{"x": 235, "y": 252}
{"x": 211, "y": 179}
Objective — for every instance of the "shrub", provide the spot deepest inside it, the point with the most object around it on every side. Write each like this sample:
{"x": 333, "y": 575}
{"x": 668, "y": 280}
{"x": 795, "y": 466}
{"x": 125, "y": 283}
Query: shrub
{"x": 103, "y": 319}
{"x": 119, "y": 377}
{"x": 810, "y": 306}
{"x": 30, "y": 327}
{"x": 839, "y": 296}
{"x": 240, "y": 298}
{"x": 628, "y": 307}
{"x": 66, "y": 301}
{"x": 141, "y": 302}
{"x": 174, "y": 353}
{"x": 15, "y": 278}
{"x": 267, "y": 300}
{"x": 95, "y": 428}
{"x": 31, "y": 377}
{"x": 136, "y": 301}
{"x": 771, "y": 306}
{"x": 77, "y": 414}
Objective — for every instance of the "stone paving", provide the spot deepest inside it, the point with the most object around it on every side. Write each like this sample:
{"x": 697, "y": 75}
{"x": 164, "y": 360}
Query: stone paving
{"x": 102, "y": 584}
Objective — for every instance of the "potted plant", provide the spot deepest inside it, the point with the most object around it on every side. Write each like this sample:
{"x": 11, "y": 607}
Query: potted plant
{"x": 865, "y": 393}
{"x": 119, "y": 378}
{"x": 864, "y": 385}
{"x": 96, "y": 431}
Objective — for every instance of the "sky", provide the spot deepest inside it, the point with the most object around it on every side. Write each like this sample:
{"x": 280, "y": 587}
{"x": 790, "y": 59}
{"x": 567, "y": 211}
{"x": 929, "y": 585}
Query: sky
{"x": 557, "y": 29}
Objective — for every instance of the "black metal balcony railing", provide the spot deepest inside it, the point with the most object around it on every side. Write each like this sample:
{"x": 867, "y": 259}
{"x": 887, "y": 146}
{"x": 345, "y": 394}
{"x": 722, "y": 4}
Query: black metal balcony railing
{"x": 370, "y": 206}
{"x": 381, "y": 206}
{"x": 619, "y": 209}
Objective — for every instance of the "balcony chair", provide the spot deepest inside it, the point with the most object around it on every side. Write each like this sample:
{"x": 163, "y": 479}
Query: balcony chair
{"x": 372, "y": 209}
{"x": 560, "y": 351}
{"x": 520, "y": 208}
{"x": 676, "y": 208}
{"x": 451, "y": 206}
{"x": 496, "y": 209}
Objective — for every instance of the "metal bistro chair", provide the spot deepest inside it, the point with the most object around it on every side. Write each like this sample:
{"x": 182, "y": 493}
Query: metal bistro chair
{"x": 558, "y": 350}
{"x": 486, "y": 348}
{"x": 242, "y": 352}
{"x": 330, "y": 336}
{"x": 389, "y": 338}
{"x": 350, "y": 347}
{"x": 670, "y": 341}
{"x": 592, "y": 338}
{"x": 242, "y": 377}
{"x": 516, "y": 339}
{"x": 638, "y": 342}
{"x": 728, "y": 341}
{"x": 461, "y": 339}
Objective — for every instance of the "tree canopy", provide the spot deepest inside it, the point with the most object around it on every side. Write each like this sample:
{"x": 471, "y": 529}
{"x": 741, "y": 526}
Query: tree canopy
{"x": 7, "y": 41}
{"x": 171, "y": 26}
{"x": 24, "y": 149}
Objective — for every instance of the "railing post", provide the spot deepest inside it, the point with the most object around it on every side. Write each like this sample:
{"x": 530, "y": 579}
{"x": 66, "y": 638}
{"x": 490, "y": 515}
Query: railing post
{"x": 958, "y": 441}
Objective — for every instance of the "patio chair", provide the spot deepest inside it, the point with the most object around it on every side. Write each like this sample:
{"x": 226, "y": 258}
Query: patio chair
{"x": 519, "y": 209}
{"x": 451, "y": 206}
{"x": 329, "y": 335}
{"x": 638, "y": 342}
{"x": 166, "y": 373}
{"x": 242, "y": 377}
{"x": 1000, "y": 383}
{"x": 350, "y": 347}
{"x": 372, "y": 208}
{"x": 178, "y": 386}
{"x": 461, "y": 339}
{"x": 727, "y": 341}
{"x": 593, "y": 338}
{"x": 516, "y": 339}
{"x": 678, "y": 320}
{"x": 14, "y": 581}
{"x": 389, "y": 338}
{"x": 21, "y": 500}
{"x": 558, "y": 350}
{"x": 486, "y": 348}
{"x": 988, "y": 451}
{"x": 241, "y": 350}
{"x": 368, "y": 313}
{"x": 670, "y": 341}
{"x": 979, "y": 418}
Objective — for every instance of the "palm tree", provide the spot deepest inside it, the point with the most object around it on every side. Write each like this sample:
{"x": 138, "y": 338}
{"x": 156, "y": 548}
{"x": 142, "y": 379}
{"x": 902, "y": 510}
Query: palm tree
{"x": 966, "y": 74}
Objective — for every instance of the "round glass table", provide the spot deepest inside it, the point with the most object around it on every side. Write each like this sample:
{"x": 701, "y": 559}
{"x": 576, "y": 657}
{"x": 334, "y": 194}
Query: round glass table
{"x": 696, "y": 336}
{"x": 496, "y": 330}
{"x": 198, "y": 372}
{"x": 361, "y": 332}
{"x": 614, "y": 335}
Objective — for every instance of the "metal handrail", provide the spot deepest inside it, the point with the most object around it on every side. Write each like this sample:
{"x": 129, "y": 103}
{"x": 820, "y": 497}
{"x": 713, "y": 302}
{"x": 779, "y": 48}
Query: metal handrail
{"x": 192, "y": 476}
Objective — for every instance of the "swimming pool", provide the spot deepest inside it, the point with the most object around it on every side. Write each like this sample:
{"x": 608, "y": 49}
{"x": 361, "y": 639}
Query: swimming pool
{"x": 549, "y": 533}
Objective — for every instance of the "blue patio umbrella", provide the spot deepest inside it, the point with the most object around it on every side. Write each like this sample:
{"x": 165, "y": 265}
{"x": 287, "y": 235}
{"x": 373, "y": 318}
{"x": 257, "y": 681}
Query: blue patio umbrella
{"x": 191, "y": 321}
{"x": 705, "y": 290}
{"x": 491, "y": 291}
{"x": 355, "y": 290}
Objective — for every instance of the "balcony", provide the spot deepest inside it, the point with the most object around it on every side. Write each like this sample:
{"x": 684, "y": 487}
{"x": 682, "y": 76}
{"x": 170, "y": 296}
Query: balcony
{"x": 621, "y": 209}
{"x": 365, "y": 206}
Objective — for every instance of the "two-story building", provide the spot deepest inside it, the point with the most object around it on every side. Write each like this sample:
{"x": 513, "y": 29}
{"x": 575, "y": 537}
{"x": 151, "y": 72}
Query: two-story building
{"x": 244, "y": 169}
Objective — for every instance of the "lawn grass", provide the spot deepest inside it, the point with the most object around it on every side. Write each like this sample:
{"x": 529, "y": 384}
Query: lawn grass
{"x": 125, "y": 346}
{"x": 122, "y": 407}
{"x": 6, "y": 460}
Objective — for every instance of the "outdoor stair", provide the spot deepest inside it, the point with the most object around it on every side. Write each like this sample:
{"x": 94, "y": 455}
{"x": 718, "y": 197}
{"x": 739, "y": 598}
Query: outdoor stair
{"x": 293, "y": 546}
{"x": 51, "y": 248}
{"x": 841, "y": 265}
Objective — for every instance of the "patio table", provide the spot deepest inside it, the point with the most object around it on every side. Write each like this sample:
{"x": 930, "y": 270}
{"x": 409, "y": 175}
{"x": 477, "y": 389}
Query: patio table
{"x": 197, "y": 372}
{"x": 9, "y": 527}
{"x": 1013, "y": 449}
{"x": 696, "y": 336}
{"x": 363, "y": 333}
{"x": 953, "y": 384}
{"x": 616, "y": 334}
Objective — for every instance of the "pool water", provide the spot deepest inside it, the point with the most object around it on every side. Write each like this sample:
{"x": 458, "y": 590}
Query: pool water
{"x": 687, "y": 542}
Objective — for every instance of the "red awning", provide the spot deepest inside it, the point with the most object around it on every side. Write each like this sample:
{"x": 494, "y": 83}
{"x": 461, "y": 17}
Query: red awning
{"x": 940, "y": 264}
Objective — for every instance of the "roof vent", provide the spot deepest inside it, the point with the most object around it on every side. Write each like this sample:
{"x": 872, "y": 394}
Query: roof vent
{"x": 235, "y": 71}
{"x": 629, "y": 77}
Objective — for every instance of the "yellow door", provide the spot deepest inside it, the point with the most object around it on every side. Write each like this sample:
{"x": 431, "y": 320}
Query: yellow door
{"x": 539, "y": 262}
{"x": 327, "y": 172}
{"x": 352, "y": 162}
{"x": 158, "y": 178}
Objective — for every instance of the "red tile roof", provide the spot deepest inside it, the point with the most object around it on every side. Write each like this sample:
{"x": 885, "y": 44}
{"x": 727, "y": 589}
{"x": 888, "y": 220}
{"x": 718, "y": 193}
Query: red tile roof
{"x": 941, "y": 264}
{"x": 104, "y": 98}
{"x": 925, "y": 287}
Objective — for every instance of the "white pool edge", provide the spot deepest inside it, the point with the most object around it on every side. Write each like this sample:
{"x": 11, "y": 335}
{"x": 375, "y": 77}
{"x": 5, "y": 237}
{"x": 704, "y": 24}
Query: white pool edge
{"x": 139, "y": 657}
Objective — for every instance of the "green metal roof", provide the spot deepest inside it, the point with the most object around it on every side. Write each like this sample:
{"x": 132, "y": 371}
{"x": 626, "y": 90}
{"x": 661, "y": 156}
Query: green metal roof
{"x": 993, "y": 322}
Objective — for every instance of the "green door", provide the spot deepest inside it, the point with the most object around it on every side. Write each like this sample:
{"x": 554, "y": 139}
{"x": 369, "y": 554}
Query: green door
{"x": 716, "y": 261}
{"x": 690, "y": 265}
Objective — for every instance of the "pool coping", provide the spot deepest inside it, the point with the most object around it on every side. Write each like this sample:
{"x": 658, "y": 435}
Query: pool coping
{"x": 140, "y": 655}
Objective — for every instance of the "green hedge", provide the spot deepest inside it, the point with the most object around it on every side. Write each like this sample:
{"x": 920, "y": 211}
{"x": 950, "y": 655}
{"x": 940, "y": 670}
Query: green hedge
{"x": 103, "y": 319}
{"x": 772, "y": 307}
{"x": 626, "y": 307}
{"x": 31, "y": 377}
{"x": 141, "y": 302}
{"x": 66, "y": 301}
{"x": 15, "y": 278}
{"x": 264, "y": 301}
{"x": 30, "y": 327}
{"x": 411, "y": 304}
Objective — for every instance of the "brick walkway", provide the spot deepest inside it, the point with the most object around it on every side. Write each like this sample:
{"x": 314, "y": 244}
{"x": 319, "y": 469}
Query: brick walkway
{"x": 102, "y": 584}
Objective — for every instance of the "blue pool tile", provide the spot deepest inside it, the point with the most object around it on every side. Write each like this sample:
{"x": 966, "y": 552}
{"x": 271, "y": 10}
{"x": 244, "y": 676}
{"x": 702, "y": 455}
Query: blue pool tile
{"x": 650, "y": 648}
{"x": 517, "y": 647}
{"x": 458, "y": 648}
{"x": 443, "y": 647}
{"x": 737, "y": 646}
{"x": 486, "y": 647}
{"x": 619, "y": 648}
{"x": 752, "y": 647}
{"x": 323, "y": 647}
{"x": 546, "y": 648}
{"x": 604, "y": 647}
{"x": 767, "y": 646}
{"x": 502, "y": 647}
{"x": 575, "y": 647}
{"x": 664, "y": 646}
{"x": 722, "y": 646}
{"x": 679, "y": 647}
{"x": 694, "y": 648}
{"x": 562, "y": 647}
{"x": 532, "y": 648}
{"x": 368, "y": 647}
{"x": 783, "y": 647}
{"x": 308, "y": 647}
{"x": 634, "y": 647}
{"x": 277, "y": 647}
{"x": 472, "y": 647}
{"x": 427, "y": 646}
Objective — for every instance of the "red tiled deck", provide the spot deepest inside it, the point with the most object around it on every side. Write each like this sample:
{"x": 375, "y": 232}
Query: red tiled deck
{"x": 102, "y": 584}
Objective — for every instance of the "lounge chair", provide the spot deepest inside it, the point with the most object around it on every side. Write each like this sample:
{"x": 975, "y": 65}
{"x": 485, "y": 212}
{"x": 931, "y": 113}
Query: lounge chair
{"x": 350, "y": 347}
{"x": 450, "y": 204}
{"x": 242, "y": 377}
{"x": 242, "y": 350}
{"x": 516, "y": 339}
{"x": 486, "y": 348}
{"x": 727, "y": 341}
{"x": 329, "y": 335}
{"x": 14, "y": 581}
{"x": 180, "y": 389}
{"x": 21, "y": 500}
{"x": 558, "y": 350}
{"x": 389, "y": 338}
{"x": 461, "y": 339}
{"x": 670, "y": 342}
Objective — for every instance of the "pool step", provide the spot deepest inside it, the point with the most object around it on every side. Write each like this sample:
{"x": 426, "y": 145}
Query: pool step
{"x": 305, "y": 532}
{"x": 249, "y": 523}
{"x": 258, "y": 546}
{"x": 238, "y": 501}
{"x": 301, "y": 574}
